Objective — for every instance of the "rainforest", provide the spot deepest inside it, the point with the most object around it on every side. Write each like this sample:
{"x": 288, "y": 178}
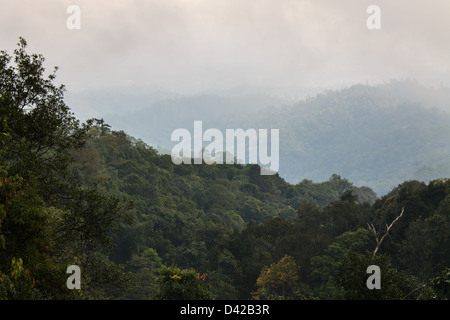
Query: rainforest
{"x": 140, "y": 227}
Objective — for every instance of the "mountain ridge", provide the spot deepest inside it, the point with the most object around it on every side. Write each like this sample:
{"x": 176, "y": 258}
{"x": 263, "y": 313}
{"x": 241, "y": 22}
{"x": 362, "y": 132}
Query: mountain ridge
{"x": 374, "y": 135}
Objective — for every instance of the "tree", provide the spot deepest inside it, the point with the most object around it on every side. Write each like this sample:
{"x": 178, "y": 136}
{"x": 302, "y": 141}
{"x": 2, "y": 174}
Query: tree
{"x": 49, "y": 219}
{"x": 326, "y": 267}
{"x": 388, "y": 228}
{"x": 182, "y": 284}
{"x": 441, "y": 284}
{"x": 279, "y": 280}
{"x": 345, "y": 214}
{"x": 24, "y": 242}
{"x": 395, "y": 285}
{"x": 42, "y": 128}
{"x": 144, "y": 267}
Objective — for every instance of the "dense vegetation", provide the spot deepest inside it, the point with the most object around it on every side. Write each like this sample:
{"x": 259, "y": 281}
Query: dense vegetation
{"x": 230, "y": 223}
{"x": 141, "y": 227}
{"x": 375, "y": 136}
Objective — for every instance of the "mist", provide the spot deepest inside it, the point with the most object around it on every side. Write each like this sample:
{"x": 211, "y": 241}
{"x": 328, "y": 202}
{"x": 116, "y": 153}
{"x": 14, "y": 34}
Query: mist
{"x": 150, "y": 67}
{"x": 195, "y": 46}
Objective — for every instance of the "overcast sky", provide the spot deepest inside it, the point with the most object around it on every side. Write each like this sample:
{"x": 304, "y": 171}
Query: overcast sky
{"x": 201, "y": 44}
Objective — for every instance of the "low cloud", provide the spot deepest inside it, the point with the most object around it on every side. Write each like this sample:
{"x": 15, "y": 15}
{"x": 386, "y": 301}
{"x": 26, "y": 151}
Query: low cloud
{"x": 203, "y": 44}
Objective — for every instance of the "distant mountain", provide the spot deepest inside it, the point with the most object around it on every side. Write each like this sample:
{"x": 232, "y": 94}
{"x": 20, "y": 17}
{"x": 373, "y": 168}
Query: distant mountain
{"x": 376, "y": 136}
{"x": 155, "y": 123}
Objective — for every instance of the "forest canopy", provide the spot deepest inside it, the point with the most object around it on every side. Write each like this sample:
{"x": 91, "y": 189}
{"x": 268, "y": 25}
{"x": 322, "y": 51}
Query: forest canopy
{"x": 141, "y": 227}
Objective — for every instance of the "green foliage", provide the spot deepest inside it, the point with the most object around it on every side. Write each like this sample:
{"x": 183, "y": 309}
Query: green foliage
{"x": 441, "y": 284}
{"x": 279, "y": 281}
{"x": 182, "y": 284}
{"x": 395, "y": 285}
{"x": 85, "y": 194}
{"x": 49, "y": 219}
{"x": 374, "y": 135}
{"x": 325, "y": 268}
{"x": 230, "y": 228}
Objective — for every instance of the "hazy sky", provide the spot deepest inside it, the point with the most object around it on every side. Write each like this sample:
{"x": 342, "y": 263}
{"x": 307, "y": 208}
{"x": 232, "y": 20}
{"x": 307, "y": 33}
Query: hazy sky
{"x": 201, "y": 44}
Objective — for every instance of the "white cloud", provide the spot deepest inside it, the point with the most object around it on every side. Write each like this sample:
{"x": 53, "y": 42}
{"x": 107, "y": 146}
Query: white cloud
{"x": 181, "y": 43}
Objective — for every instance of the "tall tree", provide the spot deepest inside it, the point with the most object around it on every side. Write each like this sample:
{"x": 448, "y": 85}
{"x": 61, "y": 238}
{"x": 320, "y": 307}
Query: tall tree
{"x": 49, "y": 219}
{"x": 279, "y": 280}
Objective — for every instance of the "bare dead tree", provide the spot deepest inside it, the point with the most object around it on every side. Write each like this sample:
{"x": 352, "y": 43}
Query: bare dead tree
{"x": 388, "y": 228}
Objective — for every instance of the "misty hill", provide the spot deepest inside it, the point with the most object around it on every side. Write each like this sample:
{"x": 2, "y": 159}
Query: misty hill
{"x": 155, "y": 123}
{"x": 378, "y": 136}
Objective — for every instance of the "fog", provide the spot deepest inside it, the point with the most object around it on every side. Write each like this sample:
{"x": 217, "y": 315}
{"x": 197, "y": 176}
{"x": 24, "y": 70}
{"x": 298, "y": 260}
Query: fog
{"x": 190, "y": 46}
{"x": 150, "y": 67}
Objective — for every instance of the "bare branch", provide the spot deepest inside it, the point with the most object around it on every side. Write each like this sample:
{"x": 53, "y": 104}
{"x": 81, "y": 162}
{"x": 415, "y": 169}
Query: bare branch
{"x": 416, "y": 289}
{"x": 372, "y": 228}
{"x": 388, "y": 228}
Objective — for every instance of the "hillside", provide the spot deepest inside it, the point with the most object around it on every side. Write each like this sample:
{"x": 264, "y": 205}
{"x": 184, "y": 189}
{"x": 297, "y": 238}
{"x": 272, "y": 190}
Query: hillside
{"x": 155, "y": 122}
{"x": 376, "y": 136}
{"x": 228, "y": 223}
{"x": 137, "y": 226}
{"x": 227, "y": 195}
